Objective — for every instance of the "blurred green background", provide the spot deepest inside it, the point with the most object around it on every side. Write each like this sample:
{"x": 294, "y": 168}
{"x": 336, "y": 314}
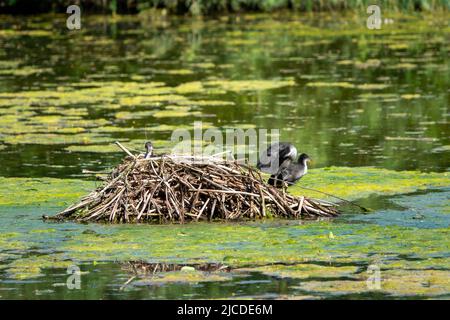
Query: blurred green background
{"x": 206, "y": 7}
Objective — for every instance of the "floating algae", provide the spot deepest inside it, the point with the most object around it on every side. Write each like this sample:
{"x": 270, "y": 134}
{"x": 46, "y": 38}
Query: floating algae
{"x": 393, "y": 282}
{"x": 53, "y": 138}
{"x": 32, "y": 191}
{"x": 31, "y": 267}
{"x": 23, "y": 72}
{"x": 247, "y": 245}
{"x": 410, "y": 96}
{"x": 353, "y": 183}
{"x": 366, "y": 86}
{"x": 305, "y": 270}
{"x": 9, "y": 241}
{"x": 330, "y": 84}
{"x": 176, "y": 112}
{"x": 250, "y": 85}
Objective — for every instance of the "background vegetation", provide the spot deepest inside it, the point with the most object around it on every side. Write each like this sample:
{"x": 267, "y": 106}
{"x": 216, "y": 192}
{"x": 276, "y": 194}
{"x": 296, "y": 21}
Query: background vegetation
{"x": 206, "y": 7}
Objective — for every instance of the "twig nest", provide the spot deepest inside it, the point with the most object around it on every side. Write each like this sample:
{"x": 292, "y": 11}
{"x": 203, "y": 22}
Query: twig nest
{"x": 184, "y": 188}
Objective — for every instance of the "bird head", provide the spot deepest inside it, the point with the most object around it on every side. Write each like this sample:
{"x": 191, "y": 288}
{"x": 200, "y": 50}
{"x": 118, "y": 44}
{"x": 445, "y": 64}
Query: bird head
{"x": 148, "y": 145}
{"x": 304, "y": 158}
{"x": 149, "y": 148}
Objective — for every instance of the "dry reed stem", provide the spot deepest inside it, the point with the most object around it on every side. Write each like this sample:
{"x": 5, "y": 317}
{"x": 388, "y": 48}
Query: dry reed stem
{"x": 175, "y": 188}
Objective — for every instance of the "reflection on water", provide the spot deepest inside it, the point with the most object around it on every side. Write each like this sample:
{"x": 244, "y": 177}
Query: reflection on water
{"x": 106, "y": 281}
{"x": 109, "y": 281}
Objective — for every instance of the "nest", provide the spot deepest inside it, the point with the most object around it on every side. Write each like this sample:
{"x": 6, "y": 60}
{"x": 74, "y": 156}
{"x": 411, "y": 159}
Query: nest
{"x": 174, "y": 188}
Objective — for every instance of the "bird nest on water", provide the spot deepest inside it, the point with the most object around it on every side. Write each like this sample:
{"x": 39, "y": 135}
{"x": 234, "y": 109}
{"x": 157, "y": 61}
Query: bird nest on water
{"x": 173, "y": 188}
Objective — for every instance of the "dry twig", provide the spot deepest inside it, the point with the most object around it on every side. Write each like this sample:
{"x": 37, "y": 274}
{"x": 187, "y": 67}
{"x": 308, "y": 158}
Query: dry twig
{"x": 175, "y": 188}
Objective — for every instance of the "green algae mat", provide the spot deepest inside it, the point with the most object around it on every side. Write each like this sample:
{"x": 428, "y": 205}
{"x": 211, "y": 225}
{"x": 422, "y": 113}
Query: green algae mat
{"x": 405, "y": 236}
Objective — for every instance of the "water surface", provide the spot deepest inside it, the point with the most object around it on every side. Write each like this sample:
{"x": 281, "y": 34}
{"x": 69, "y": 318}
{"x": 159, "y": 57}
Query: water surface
{"x": 346, "y": 95}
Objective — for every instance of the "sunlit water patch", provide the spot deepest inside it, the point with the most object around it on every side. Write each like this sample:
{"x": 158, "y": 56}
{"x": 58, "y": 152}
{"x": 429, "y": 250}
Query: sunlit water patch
{"x": 420, "y": 210}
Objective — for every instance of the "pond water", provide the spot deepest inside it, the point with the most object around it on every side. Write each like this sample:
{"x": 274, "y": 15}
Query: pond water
{"x": 350, "y": 97}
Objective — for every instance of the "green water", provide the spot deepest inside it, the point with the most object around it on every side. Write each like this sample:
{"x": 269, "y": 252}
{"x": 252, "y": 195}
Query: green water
{"x": 346, "y": 95}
